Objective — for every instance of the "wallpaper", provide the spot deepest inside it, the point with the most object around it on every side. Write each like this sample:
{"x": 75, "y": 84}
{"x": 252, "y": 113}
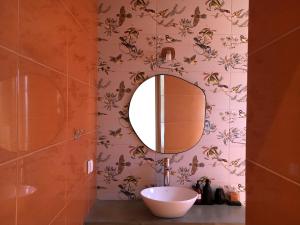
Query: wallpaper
{"x": 210, "y": 38}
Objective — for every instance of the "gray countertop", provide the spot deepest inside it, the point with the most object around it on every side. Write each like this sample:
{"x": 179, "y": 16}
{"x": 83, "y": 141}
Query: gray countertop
{"x": 136, "y": 213}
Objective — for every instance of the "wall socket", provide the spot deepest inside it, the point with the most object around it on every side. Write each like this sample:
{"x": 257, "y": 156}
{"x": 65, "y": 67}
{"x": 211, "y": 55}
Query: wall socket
{"x": 90, "y": 166}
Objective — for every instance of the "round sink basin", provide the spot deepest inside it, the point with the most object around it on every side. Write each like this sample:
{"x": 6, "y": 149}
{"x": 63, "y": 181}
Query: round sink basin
{"x": 169, "y": 202}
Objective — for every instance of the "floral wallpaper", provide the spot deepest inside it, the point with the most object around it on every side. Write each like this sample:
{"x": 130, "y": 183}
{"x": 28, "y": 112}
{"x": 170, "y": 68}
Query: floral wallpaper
{"x": 210, "y": 38}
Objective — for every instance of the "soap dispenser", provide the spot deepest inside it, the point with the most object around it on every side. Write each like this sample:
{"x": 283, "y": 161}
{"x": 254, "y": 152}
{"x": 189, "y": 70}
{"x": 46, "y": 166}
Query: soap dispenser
{"x": 197, "y": 188}
{"x": 207, "y": 196}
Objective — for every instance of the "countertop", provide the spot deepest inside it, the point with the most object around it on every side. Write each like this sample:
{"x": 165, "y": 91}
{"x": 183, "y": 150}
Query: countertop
{"x": 136, "y": 213}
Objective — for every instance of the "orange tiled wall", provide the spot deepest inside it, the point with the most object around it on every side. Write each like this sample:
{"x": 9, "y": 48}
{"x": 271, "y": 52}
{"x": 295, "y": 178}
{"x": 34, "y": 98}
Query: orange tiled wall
{"x": 273, "y": 156}
{"x": 47, "y": 92}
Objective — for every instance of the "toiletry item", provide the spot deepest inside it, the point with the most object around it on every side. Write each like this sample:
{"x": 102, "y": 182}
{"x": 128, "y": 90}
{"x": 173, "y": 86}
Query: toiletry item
{"x": 197, "y": 188}
{"x": 234, "y": 203}
{"x": 207, "y": 196}
{"x": 220, "y": 196}
{"x": 234, "y": 196}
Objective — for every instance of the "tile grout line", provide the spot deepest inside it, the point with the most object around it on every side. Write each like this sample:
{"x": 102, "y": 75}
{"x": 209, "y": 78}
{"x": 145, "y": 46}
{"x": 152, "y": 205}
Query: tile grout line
{"x": 32, "y": 60}
{"x": 41, "y": 64}
{"x": 229, "y": 100}
{"x": 58, "y": 213}
{"x": 273, "y": 172}
{"x": 17, "y": 110}
{"x": 67, "y": 202}
{"x": 42, "y": 149}
{"x": 67, "y": 121}
{"x": 72, "y": 15}
{"x": 273, "y": 41}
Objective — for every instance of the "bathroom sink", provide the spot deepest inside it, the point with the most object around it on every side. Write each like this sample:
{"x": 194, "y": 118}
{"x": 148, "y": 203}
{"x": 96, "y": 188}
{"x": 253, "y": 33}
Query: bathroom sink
{"x": 169, "y": 202}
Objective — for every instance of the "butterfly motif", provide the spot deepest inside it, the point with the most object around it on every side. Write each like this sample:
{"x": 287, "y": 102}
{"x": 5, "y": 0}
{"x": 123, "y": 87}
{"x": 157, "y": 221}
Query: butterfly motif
{"x": 116, "y": 133}
{"x": 196, "y": 16}
{"x": 195, "y": 164}
{"x": 122, "y": 164}
{"x": 116, "y": 59}
{"x": 122, "y": 90}
{"x": 123, "y": 15}
{"x": 191, "y": 60}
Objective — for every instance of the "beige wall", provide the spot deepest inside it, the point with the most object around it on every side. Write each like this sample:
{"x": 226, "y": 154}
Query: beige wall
{"x": 273, "y": 158}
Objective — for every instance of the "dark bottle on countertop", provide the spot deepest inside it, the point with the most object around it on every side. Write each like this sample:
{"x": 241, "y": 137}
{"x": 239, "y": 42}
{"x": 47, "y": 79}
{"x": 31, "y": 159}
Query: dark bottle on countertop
{"x": 207, "y": 196}
{"x": 197, "y": 188}
{"x": 220, "y": 196}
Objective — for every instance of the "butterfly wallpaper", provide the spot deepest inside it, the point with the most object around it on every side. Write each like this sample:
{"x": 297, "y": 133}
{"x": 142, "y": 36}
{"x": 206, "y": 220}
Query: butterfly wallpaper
{"x": 210, "y": 38}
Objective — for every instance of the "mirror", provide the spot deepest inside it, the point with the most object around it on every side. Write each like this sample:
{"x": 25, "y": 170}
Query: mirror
{"x": 167, "y": 113}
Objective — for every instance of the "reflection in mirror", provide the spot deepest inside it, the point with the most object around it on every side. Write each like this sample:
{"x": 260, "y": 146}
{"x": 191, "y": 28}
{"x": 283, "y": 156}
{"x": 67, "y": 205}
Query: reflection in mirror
{"x": 167, "y": 113}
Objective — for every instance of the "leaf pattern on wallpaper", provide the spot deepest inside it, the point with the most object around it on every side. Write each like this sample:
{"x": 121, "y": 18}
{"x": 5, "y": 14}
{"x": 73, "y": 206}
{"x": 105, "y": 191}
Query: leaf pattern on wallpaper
{"x": 235, "y": 61}
{"x": 209, "y": 127}
{"x": 166, "y": 18}
{"x": 128, "y": 187}
{"x": 237, "y": 18}
{"x": 102, "y": 84}
{"x": 124, "y": 117}
{"x": 214, "y": 79}
{"x": 240, "y": 18}
{"x": 237, "y": 167}
{"x": 128, "y": 43}
{"x": 186, "y": 25}
{"x": 102, "y": 10}
{"x": 100, "y": 158}
{"x": 137, "y": 77}
{"x": 238, "y": 93}
{"x": 140, "y": 152}
{"x": 210, "y": 40}
{"x": 233, "y": 135}
{"x": 103, "y": 66}
{"x": 110, "y": 101}
{"x": 213, "y": 153}
{"x": 202, "y": 44}
{"x": 232, "y": 42}
{"x": 183, "y": 175}
{"x": 111, "y": 26}
{"x": 231, "y": 117}
{"x": 111, "y": 173}
{"x": 102, "y": 140}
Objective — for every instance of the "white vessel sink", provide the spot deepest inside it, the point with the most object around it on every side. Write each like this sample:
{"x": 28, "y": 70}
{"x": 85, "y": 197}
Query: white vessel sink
{"x": 169, "y": 202}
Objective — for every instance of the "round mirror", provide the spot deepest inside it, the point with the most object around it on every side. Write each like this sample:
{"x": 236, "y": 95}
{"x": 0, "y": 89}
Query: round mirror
{"x": 167, "y": 113}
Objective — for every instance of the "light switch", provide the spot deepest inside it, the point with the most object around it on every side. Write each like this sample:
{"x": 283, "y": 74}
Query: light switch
{"x": 90, "y": 166}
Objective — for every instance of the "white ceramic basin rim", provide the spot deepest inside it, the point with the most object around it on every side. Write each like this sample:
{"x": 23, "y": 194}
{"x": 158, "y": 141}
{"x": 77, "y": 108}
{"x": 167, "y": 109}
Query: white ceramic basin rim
{"x": 169, "y": 202}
